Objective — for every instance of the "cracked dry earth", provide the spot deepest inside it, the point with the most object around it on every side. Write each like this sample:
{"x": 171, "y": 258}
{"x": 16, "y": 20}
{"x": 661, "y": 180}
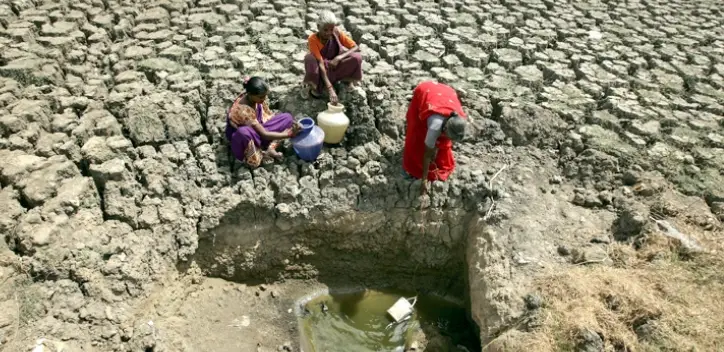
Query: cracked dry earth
{"x": 126, "y": 228}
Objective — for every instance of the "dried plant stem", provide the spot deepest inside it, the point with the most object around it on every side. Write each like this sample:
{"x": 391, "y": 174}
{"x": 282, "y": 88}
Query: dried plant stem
{"x": 490, "y": 187}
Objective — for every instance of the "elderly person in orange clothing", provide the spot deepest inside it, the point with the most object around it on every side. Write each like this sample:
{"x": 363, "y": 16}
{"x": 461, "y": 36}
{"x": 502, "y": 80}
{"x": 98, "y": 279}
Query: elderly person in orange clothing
{"x": 435, "y": 119}
{"x": 333, "y": 57}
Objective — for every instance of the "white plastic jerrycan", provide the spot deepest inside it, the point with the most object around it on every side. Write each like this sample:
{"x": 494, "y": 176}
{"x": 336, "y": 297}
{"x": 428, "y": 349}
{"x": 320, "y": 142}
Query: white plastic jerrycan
{"x": 333, "y": 122}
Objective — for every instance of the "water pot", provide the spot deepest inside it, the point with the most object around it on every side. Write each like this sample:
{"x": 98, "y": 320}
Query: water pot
{"x": 309, "y": 141}
{"x": 334, "y": 123}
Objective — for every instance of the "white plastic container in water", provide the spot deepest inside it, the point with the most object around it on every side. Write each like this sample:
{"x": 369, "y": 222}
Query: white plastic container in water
{"x": 400, "y": 309}
{"x": 333, "y": 122}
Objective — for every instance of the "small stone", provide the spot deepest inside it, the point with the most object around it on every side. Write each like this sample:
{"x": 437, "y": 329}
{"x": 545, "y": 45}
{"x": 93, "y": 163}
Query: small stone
{"x": 587, "y": 199}
{"x": 109, "y": 314}
{"x": 645, "y": 331}
{"x": 533, "y": 301}
{"x": 613, "y": 302}
{"x": 630, "y": 177}
{"x": 644, "y": 190}
{"x": 589, "y": 341}
{"x": 692, "y": 169}
{"x": 245, "y": 321}
{"x": 262, "y": 287}
{"x": 590, "y": 255}
{"x": 563, "y": 250}
{"x": 555, "y": 180}
{"x": 274, "y": 294}
{"x": 42, "y": 235}
{"x": 601, "y": 240}
{"x": 605, "y": 197}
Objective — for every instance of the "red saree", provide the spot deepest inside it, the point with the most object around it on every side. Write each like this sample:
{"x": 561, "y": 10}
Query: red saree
{"x": 429, "y": 98}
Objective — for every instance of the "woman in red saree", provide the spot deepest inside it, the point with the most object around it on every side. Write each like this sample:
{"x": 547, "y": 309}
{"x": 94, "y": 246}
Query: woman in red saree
{"x": 435, "y": 119}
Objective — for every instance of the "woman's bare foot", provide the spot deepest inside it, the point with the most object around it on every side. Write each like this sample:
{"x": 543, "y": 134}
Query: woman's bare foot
{"x": 274, "y": 154}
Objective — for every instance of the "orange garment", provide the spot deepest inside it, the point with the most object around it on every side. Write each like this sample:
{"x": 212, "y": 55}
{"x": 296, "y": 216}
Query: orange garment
{"x": 315, "y": 44}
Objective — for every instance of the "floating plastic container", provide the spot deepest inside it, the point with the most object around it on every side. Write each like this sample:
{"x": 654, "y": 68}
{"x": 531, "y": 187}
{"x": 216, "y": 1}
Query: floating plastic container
{"x": 334, "y": 123}
{"x": 401, "y": 309}
{"x": 310, "y": 140}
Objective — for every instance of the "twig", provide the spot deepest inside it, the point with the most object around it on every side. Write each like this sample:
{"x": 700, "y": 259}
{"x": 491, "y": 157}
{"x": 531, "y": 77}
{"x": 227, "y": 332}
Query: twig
{"x": 502, "y": 330}
{"x": 490, "y": 187}
{"x": 490, "y": 209}
{"x": 490, "y": 183}
{"x": 593, "y": 261}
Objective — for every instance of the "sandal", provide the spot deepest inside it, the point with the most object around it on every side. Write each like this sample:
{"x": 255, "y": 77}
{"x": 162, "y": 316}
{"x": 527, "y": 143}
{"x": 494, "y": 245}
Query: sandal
{"x": 314, "y": 95}
{"x": 308, "y": 92}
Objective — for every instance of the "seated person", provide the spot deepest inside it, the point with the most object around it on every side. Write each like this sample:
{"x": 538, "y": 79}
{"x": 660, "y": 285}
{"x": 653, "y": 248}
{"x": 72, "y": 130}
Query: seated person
{"x": 252, "y": 128}
{"x": 332, "y": 57}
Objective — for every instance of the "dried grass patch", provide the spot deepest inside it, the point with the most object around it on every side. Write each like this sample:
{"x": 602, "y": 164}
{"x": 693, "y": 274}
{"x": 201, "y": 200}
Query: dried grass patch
{"x": 653, "y": 299}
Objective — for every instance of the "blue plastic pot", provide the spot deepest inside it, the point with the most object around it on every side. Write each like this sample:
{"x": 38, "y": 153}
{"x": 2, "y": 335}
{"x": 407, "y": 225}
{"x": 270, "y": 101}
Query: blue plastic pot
{"x": 310, "y": 140}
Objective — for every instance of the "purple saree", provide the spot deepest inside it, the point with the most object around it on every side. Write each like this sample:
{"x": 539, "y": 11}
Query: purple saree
{"x": 246, "y": 144}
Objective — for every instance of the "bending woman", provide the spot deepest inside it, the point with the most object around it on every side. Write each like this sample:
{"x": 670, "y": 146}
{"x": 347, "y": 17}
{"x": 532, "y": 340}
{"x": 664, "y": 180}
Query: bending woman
{"x": 435, "y": 119}
{"x": 251, "y": 127}
{"x": 333, "y": 57}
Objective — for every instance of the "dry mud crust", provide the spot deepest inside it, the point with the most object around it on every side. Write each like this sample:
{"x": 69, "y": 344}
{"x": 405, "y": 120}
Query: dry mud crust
{"x": 113, "y": 162}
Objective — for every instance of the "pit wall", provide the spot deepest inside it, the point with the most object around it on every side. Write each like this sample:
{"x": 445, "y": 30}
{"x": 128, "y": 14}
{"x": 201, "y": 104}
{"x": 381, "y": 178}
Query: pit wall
{"x": 394, "y": 247}
{"x": 330, "y": 222}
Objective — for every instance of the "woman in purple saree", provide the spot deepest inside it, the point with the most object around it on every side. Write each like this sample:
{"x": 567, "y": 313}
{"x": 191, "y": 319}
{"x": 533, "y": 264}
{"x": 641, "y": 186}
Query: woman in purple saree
{"x": 252, "y": 128}
{"x": 333, "y": 57}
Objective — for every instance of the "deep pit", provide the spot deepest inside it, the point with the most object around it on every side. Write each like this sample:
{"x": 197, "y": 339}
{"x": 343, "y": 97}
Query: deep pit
{"x": 411, "y": 251}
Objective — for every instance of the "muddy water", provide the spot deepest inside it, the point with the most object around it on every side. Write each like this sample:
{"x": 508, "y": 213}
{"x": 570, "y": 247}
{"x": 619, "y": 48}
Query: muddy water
{"x": 358, "y": 322}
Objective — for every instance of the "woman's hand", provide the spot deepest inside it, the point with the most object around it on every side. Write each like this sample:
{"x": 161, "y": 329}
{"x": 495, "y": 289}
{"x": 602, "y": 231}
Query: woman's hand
{"x": 423, "y": 187}
{"x": 296, "y": 127}
{"x": 333, "y": 96}
{"x": 334, "y": 62}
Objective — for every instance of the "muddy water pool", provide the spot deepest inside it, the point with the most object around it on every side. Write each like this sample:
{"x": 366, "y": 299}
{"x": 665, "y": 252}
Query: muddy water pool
{"x": 358, "y": 322}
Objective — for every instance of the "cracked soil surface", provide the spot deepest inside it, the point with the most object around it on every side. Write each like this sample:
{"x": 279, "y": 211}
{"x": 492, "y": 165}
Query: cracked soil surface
{"x": 585, "y": 214}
